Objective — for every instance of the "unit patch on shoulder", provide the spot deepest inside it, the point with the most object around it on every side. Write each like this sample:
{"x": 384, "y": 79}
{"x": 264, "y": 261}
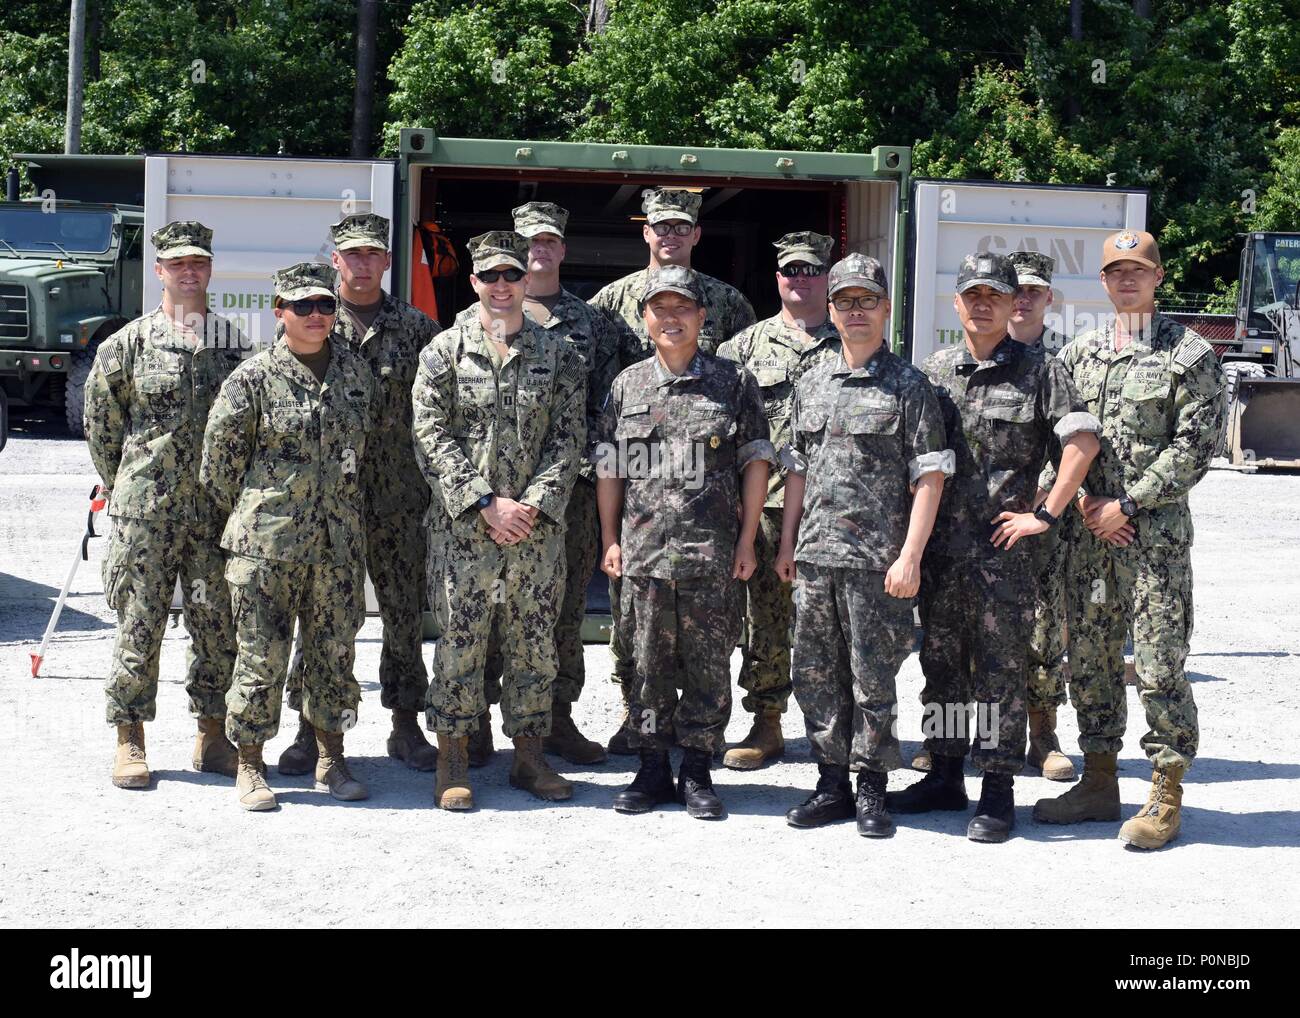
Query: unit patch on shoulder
{"x": 235, "y": 396}
{"x": 1192, "y": 349}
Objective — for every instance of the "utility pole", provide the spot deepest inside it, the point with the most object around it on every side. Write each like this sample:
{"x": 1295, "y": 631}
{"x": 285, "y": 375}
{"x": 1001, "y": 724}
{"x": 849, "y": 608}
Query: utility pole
{"x": 363, "y": 98}
{"x": 76, "y": 82}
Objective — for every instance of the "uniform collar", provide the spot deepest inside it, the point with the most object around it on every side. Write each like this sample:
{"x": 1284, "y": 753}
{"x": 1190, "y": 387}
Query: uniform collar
{"x": 287, "y": 364}
{"x": 565, "y": 311}
{"x": 1008, "y": 351}
{"x": 525, "y": 344}
{"x": 874, "y": 367}
{"x": 164, "y": 334}
{"x": 665, "y": 377}
{"x": 344, "y": 326}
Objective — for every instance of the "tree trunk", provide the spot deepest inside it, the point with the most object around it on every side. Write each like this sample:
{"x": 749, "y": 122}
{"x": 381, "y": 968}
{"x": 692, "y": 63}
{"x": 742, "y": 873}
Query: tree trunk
{"x": 363, "y": 99}
{"x": 597, "y": 16}
{"x": 94, "y": 34}
{"x": 76, "y": 64}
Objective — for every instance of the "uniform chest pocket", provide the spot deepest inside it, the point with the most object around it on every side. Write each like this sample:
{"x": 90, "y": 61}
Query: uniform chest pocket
{"x": 812, "y": 419}
{"x": 711, "y": 422}
{"x": 869, "y": 424}
{"x": 162, "y": 395}
{"x": 1145, "y": 399}
{"x": 1010, "y": 411}
{"x": 635, "y": 428}
{"x": 477, "y": 399}
{"x": 290, "y": 421}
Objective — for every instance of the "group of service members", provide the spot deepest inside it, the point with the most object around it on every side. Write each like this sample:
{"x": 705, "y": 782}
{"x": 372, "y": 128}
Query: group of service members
{"x": 721, "y": 471}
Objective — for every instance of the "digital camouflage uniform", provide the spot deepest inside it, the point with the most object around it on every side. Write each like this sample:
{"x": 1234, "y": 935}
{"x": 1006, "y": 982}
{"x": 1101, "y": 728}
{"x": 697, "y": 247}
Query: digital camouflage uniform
{"x": 977, "y": 601}
{"x": 283, "y": 454}
{"x": 1160, "y": 401}
{"x": 147, "y": 402}
{"x": 513, "y": 428}
{"x": 727, "y": 312}
{"x": 777, "y": 355}
{"x": 680, "y": 608}
{"x": 861, "y": 438}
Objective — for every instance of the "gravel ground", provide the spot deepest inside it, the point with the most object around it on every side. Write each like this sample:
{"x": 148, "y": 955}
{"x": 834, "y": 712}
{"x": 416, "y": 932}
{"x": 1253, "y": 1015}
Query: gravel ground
{"x": 81, "y": 853}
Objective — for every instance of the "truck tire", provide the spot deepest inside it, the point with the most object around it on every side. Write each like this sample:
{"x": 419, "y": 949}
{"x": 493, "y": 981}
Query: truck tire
{"x": 74, "y": 392}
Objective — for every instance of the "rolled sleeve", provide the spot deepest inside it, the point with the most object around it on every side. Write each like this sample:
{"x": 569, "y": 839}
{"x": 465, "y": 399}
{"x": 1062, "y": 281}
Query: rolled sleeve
{"x": 794, "y": 461}
{"x": 1074, "y": 422}
{"x": 944, "y": 462}
{"x": 758, "y": 449}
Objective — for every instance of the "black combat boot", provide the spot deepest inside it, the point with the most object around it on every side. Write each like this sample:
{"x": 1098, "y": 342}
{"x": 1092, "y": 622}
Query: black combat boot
{"x": 996, "y": 813}
{"x": 652, "y": 786}
{"x": 943, "y": 788}
{"x": 874, "y": 820}
{"x": 832, "y": 799}
{"x": 695, "y": 787}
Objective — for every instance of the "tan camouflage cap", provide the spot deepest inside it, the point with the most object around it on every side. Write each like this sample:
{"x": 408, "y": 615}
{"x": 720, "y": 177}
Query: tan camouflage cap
{"x": 858, "y": 270}
{"x": 306, "y": 279}
{"x": 804, "y": 246}
{"x": 1033, "y": 268}
{"x": 364, "y": 229}
{"x": 664, "y": 203}
{"x": 499, "y": 247}
{"x": 984, "y": 268}
{"x": 178, "y": 239}
{"x": 540, "y": 217}
{"x": 1131, "y": 246}
{"x": 674, "y": 279}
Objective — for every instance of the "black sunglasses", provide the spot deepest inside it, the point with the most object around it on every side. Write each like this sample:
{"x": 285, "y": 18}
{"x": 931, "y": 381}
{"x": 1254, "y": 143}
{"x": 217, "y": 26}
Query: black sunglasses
{"x": 801, "y": 269}
{"x": 303, "y": 308}
{"x": 492, "y": 275}
{"x": 868, "y": 303}
{"x": 681, "y": 229}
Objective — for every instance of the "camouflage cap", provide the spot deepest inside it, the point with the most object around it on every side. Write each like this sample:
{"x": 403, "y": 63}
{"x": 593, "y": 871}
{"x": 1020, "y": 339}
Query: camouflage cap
{"x": 984, "y": 268}
{"x": 1131, "y": 246}
{"x": 364, "y": 229}
{"x": 540, "y": 217}
{"x": 306, "y": 279}
{"x": 858, "y": 270}
{"x": 804, "y": 246}
{"x": 673, "y": 279}
{"x": 1033, "y": 268}
{"x": 499, "y": 247}
{"x": 186, "y": 237}
{"x": 663, "y": 203}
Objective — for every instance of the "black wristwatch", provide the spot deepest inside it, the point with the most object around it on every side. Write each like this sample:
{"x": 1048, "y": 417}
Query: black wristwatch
{"x": 484, "y": 502}
{"x": 1041, "y": 513}
{"x": 1127, "y": 506}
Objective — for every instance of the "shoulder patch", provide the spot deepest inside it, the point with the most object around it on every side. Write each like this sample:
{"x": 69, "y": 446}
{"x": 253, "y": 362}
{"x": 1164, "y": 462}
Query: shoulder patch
{"x": 1191, "y": 350}
{"x": 235, "y": 395}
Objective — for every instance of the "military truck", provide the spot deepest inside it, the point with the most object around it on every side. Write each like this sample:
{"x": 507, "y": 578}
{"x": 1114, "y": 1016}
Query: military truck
{"x": 70, "y": 275}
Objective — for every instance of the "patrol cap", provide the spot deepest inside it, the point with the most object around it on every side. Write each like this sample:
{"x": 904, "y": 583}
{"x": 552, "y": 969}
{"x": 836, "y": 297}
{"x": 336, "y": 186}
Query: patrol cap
{"x": 664, "y": 203}
{"x": 306, "y": 279}
{"x": 364, "y": 229}
{"x": 1033, "y": 268}
{"x": 673, "y": 279}
{"x": 499, "y": 247}
{"x": 1131, "y": 246}
{"x": 984, "y": 268}
{"x": 804, "y": 246}
{"x": 181, "y": 238}
{"x": 858, "y": 270}
{"x": 540, "y": 217}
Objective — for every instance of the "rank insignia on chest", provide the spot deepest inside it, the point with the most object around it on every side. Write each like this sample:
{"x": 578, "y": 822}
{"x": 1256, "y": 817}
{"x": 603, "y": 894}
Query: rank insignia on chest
{"x": 507, "y": 400}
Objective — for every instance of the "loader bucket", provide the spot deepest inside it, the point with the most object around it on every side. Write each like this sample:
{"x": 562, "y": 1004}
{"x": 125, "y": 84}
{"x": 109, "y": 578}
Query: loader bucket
{"x": 1264, "y": 427}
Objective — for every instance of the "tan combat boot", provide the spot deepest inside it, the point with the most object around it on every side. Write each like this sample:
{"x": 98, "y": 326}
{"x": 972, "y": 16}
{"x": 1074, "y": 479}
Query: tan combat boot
{"x": 480, "y": 740}
{"x": 452, "y": 789}
{"x": 567, "y": 742}
{"x": 621, "y": 743}
{"x": 922, "y": 761}
{"x": 332, "y": 774}
{"x": 532, "y": 773}
{"x": 130, "y": 769}
{"x": 1159, "y": 821}
{"x": 763, "y": 744}
{"x": 213, "y": 752}
{"x": 407, "y": 743}
{"x": 300, "y": 757}
{"x": 1095, "y": 797}
{"x": 250, "y": 780}
{"x": 1044, "y": 749}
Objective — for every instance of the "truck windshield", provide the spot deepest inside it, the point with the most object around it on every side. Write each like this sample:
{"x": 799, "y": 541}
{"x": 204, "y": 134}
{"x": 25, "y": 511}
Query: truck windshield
{"x": 1277, "y": 268}
{"x": 30, "y": 229}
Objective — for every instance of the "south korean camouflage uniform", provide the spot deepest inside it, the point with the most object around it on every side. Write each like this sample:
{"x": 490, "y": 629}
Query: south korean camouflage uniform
{"x": 283, "y": 454}
{"x": 680, "y": 443}
{"x": 1160, "y": 401}
{"x": 862, "y": 438}
{"x": 512, "y": 428}
{"x": 727, "y": 312}
{"x": 977, "y": 601}
{"x": 148, "y": 397}
{"x": 777, "y": 354}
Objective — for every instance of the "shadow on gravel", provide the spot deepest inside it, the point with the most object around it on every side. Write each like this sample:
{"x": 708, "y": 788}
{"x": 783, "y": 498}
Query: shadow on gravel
{"x": 27, "y": 607}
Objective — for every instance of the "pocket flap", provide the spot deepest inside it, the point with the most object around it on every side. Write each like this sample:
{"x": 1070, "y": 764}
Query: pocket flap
{"x": 872, "y": 422}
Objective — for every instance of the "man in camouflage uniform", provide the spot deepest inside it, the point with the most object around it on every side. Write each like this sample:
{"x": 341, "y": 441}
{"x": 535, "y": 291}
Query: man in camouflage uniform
{"x": 499, "y": 424}
{"x": 388, "y": 334}
{"x": 282, "y": 455}
{"x": 1047, "y": 644}
{"x": 867, "y": 464}
{"x": 777, "y": 351}
{"x": 1003, "y": 405}
{"x": 147, "y": 401}
{"x": 671, "y": 232}
{"x": 677, "y": 436}
{"x": 1158, "y": 389}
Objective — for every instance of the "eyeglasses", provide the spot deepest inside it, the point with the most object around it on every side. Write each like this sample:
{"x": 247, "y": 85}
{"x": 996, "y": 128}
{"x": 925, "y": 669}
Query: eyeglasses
{"x": 303, "y": 308}
{"x": 801, "y": 269}
{"x": 681, "y": 229}
{"x": 867, "y": 303}
{"x": 490, "y": 276}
